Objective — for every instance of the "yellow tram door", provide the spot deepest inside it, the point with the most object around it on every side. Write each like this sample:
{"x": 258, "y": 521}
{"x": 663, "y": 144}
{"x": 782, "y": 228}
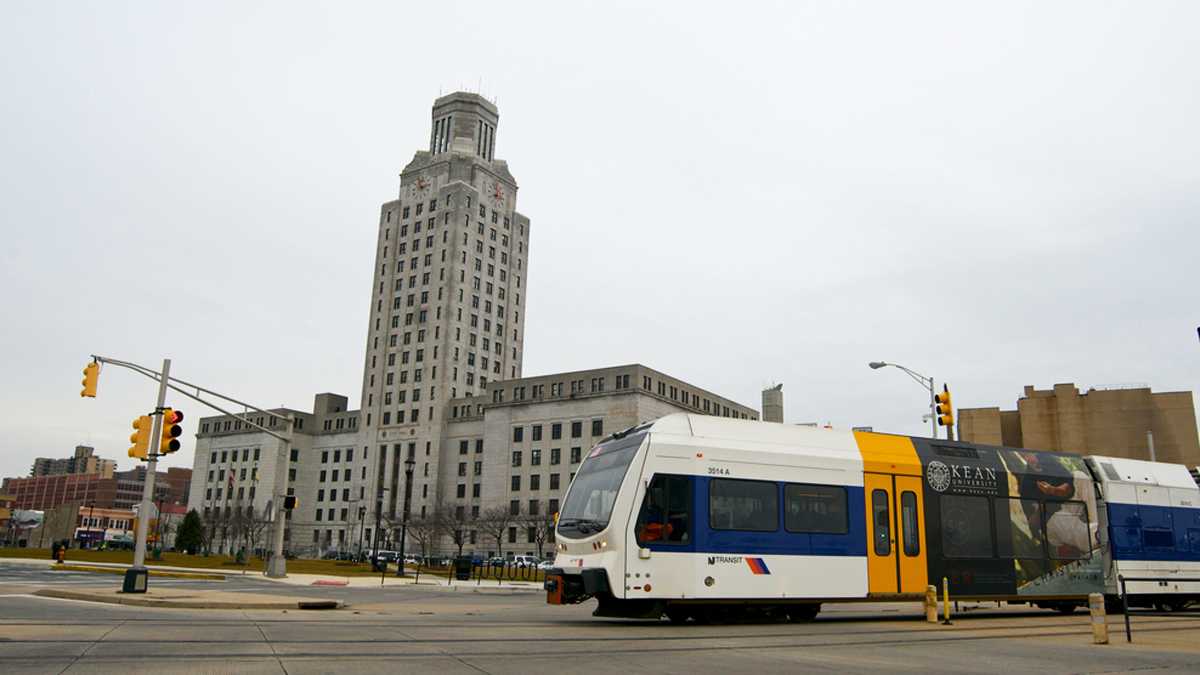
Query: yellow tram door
{"x": 882, "y": 569}
{"x": 896, "y": 534}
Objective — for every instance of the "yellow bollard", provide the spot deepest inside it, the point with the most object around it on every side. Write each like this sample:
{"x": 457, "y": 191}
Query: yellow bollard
{"x": 946, "y": 602}
{"x": 1099, "y": 620}
{"x": 931, "y": 603}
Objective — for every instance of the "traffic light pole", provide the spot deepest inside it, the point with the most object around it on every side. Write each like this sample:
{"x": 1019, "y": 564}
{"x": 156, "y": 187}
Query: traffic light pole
{"x": 932, "y": 410}
{"x": 139, "y": 552}
{"x": 277, "y": 565}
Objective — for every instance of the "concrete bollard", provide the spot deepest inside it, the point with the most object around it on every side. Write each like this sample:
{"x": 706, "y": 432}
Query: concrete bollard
{"x": 931, "y": 603}
{"x": 1099, "y": 620}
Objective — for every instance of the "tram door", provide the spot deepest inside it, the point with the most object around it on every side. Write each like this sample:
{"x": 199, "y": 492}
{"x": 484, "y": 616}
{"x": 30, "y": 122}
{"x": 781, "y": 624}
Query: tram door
{"x": 896, "y": 532}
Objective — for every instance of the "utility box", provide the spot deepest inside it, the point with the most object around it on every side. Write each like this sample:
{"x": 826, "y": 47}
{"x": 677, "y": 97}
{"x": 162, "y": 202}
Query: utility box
{"x": 135, "y": 581}
{"x": 462, "y": 568}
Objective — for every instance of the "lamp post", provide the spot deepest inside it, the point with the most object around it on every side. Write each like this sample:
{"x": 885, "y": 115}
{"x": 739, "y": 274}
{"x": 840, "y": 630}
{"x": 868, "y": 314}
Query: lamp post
{"x": 408, "y": 474}
{"x": 362, "y": 526}
{"x": 91, "y": 516}
{"x": 920, "y": 379}
{"x": 379, "y": 497}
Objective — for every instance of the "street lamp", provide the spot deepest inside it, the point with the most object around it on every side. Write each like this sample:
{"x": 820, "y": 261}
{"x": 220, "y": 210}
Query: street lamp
{"x": 920, "y": 379}
{"x": 362, "y": 526}
{"x": 379, "y": 498}
{"x": 408, "y": 474}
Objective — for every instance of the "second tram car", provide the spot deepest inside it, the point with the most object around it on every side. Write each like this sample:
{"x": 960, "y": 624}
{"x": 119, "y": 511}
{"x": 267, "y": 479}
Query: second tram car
{"x": 703, "y": 518}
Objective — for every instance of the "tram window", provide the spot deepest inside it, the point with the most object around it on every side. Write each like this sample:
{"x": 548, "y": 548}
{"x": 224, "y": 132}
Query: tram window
{"x": 665, "y": 517}
{"x": 1068, "y": 534}
{"x": 743, "y": 505}
{"x": 815, "y": 508}
{"x": 1022, "y": 520}
{"x": 882, "y": 520}
{"x": 909, "y": 528}
{"x": 966, "y": 527}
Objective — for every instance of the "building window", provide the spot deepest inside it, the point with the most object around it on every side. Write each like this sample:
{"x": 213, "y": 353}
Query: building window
{"x": 555, "y": 456}
{"x": 516, "y": 484}
{"x": 535, "y": 482}
{"x": 576, "y": 454}
{"x": 537, "y": 432}
{"x": 576, "y": 429}
{"x": 554, "y": 481}
{"x": 518, "y": 434}
{"x": 556, "y": 431}
{"x": 516, "y": 458}
{"x": 597, "y": 427}
{"x": 514, "y": 507}
{"x": 535, "y": 457}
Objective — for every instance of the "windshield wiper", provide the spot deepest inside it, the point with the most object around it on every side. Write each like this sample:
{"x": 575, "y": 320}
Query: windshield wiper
{"x": 584, "y": 525}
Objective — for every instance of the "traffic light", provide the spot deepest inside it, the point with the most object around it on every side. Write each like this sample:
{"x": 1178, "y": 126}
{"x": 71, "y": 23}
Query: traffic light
{"x": 945, "y": 411}
{"x": 170, "y": 431}
{"x": 91, "y": 376}
{"x": 140, "y": 437}
{"x": 290, "y": 502}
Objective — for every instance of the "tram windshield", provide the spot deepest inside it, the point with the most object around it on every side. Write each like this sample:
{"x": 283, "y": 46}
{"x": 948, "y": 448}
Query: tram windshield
{"x": 590, "y": 500}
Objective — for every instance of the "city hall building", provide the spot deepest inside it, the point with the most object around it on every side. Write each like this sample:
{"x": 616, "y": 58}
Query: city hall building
{"x": 442, "y": 377}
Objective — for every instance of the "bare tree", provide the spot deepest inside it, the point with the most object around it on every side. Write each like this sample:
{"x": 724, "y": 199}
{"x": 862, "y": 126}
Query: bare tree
{"x": 427, "y": 531}
{"x": 456, "y": 522}
{"x": 208, "y": 530}
{"x": 495, "y": 523}
{"x": 541, "y": 526}
{"x": 253, "y": 527}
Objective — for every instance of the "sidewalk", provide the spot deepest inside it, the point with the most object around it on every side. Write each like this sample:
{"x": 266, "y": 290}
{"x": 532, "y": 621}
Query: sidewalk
{"x": 200, "y": 599}
{"x": 373, "y": 581}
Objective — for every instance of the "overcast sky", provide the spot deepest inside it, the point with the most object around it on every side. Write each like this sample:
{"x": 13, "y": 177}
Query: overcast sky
{"x": 995, "y": 196}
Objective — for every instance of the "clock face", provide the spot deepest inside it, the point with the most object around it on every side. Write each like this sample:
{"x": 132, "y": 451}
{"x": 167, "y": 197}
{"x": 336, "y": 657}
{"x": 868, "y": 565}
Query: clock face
{"x": 497, "y": 192}
{"x": 422, "y": 183}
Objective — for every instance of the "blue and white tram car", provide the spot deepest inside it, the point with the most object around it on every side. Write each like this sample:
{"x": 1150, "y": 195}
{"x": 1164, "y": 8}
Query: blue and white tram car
{"x": 701, "y": 517}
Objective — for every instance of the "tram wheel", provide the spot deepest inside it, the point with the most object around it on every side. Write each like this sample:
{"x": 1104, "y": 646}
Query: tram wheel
{"x": 803, "y": 613}
{"x": 677, "y": 615}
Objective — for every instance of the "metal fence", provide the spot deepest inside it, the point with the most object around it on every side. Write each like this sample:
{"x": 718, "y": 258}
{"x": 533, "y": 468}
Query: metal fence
{"x": 1125, "y": 596}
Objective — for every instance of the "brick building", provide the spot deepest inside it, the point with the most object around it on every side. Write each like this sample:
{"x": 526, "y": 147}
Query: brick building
{"x": 122, "y": 491}
{"x": 1102, "y": 421}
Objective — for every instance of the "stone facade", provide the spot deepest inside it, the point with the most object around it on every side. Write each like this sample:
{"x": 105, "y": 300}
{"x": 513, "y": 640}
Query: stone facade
{"x": 1109, "y": 422}
{"x": 238, "y": 467}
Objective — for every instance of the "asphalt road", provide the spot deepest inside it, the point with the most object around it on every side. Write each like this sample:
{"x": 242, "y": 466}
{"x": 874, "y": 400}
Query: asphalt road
{"x": 407, "y": 629}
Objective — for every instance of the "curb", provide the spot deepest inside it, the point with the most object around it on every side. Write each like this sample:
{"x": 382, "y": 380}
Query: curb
{"x": 121, "y": 570}
{"x": 142, "y": 601}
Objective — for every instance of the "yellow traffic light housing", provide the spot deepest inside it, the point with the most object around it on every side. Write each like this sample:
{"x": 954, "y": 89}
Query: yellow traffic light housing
{"x": 91, "y": 376}
{"x": 945, "y": 411}
{"x": 171, "y": 431}
{"x": 140, "y": 437}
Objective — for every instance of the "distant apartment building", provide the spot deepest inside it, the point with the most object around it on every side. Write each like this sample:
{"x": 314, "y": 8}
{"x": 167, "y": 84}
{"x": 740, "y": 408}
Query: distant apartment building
{"x": 1102, "y": 421}
{"x": 84, "y": 461}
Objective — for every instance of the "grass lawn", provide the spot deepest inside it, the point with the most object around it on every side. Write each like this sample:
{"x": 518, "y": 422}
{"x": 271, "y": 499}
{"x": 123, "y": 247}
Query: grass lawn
{"x": 225, "y": 563}
{"x": 216, "y": 562}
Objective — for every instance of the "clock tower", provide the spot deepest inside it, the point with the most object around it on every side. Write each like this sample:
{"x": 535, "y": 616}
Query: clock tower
{"x": 447, "y": 303}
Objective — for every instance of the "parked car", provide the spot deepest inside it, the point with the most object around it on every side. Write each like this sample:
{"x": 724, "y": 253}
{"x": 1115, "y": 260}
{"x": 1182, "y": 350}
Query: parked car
{"x": 497, "y": 561}
{"x": 545, "y": 565}
{"x": 387, "y": 556}
{"x": 525, "y": 561}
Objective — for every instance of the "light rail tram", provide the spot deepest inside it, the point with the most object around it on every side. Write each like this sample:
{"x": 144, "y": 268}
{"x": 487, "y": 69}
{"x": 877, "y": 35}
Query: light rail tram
{"x": 709, "y": 519}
